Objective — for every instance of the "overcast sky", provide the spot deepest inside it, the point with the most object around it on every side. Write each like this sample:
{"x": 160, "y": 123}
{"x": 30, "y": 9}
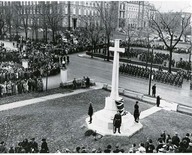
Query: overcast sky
{"x": 173, "y": 5}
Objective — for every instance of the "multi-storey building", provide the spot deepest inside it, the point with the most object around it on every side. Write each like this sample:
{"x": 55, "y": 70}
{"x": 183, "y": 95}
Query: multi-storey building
{"x": 134, "y": 14}
{"x": 76, "y": 13}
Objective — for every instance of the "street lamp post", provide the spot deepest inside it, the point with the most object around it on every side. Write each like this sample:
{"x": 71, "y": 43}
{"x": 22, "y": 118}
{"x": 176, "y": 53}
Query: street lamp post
{"x": 150, "y": 75}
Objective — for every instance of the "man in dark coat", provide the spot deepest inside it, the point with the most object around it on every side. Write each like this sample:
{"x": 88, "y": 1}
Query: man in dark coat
{"x": 87, "y": 82}
{"x": 117, "y": 122}
{"x": 154, "y": 90}
{"x": 136, "y": 112}
{"x": 33, "y": 146}
{"x": 44, "y": 147}
{"x": 158, "y": 101}
{"x": 90, "y": 112}
{"x": 176, "y": 139}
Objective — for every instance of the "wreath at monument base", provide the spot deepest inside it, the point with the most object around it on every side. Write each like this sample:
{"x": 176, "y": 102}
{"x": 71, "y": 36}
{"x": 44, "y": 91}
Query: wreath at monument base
{"x": 120, "y": 107}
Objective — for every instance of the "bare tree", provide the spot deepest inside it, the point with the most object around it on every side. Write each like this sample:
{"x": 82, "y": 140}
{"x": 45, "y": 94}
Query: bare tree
{"x": 8, "y": 14}
{"x": 35, "y": 23}
{"x": 109, "y": 16}
{"x": 23, "y": 16}
{"x": 92, "y": 32}
{"x": 52, "y": 17}
{"x": 170, "y": 25}
{"x": 130, "y": 33}
{"x": 16, "y": 14}
{"x": 2, "y": 23}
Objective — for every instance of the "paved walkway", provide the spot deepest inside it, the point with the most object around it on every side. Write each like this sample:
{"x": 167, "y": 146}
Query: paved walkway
{"x": 44, "y": 98}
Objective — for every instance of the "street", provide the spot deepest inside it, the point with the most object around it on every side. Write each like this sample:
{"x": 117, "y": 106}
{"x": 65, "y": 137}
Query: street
{"x": 101, "y": 71}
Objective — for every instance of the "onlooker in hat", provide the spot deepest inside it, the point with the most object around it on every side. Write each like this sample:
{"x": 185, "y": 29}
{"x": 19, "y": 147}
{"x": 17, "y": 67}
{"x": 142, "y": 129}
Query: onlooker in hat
{"x": 26, "y": 145}
{"x": 160, "y": 145}
{"x": 168, "y": 137}
{"x": 176, "y": 139}
{"x": 141, "y": 148}
{"x": 187, "y": 140}
{"x": 189, "y": 149}
{"x": 151, "y": 147}
{"x": 83, "y": 150}
{"x": 117, "y": 150}
{"x": 11, "y": 150}
{"x": 108, "y": 149}
{"x": 67, "y": 150}
{"x": 93, "y": 150}
{"x": 182, "y": 147}
{"x": 99, "y": 150}
{"x": 33, "y": 146}
{"x": 78, "y": 149}
{"x": 3, "y": 149}
{"x": 44, "y": 147}
{"x": 133, "y": 148}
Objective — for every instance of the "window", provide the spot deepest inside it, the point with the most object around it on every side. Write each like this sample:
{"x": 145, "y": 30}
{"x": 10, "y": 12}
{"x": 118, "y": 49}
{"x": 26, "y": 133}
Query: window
{"x": 79, "y": 11}
{"x": 66, "y": 10}
{"x": 74, "y": 11}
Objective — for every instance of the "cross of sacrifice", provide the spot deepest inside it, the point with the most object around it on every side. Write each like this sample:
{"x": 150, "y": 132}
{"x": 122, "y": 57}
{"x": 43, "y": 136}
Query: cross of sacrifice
{"x": 115, "y": 74}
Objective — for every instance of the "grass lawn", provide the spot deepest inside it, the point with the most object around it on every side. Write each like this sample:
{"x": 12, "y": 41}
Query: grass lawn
{"x": 62, "y": 121}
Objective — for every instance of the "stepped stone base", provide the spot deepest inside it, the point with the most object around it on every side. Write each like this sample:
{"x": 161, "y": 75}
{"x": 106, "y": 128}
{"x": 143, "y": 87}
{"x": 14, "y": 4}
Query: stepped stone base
{"x": 102, "y": 122}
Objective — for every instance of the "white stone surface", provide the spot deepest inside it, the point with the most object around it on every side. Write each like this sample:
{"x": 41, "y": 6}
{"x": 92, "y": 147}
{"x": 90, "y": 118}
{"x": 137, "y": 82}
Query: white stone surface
{"x": 63, "y": 75}
{"x": 102, "y": 123}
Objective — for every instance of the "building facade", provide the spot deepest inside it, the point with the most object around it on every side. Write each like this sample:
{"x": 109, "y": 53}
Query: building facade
{"x": 134, "y": 14}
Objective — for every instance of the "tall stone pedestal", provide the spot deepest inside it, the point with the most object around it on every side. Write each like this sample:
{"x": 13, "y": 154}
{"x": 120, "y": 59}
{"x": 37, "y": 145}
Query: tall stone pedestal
{"x": 102, "y": 121}
{"x": 63, "y": 74}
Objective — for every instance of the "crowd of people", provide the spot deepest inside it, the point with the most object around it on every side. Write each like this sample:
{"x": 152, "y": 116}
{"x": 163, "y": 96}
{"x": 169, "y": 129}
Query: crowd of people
{"x": 159, "y": 76}
{"x": 165, "y": 143}
{"x": 42, "y": 60}
{"x": 25, "y": 146}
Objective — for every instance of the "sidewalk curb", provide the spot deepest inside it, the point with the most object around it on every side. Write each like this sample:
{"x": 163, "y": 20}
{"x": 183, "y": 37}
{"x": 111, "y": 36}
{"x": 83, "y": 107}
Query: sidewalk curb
{"x": 170, "y": 106}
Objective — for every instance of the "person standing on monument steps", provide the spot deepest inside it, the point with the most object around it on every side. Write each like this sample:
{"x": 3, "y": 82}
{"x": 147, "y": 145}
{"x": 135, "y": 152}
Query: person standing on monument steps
{"x": 154, "y": 90}
{"x": 90, "y": 112}
{"x": 136, "y": 112}
{"x": 117, "y": 122}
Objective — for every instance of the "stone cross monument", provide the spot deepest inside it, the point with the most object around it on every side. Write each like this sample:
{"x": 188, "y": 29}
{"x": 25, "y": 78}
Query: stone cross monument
{"x": 114, "y": 96}
{"x": 115, "y": 73}
{"x": 102, "y": 121}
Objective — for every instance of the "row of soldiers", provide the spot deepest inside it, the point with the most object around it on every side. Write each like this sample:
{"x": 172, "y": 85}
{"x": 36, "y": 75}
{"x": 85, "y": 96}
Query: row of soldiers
{"x": 159, "y": 76}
